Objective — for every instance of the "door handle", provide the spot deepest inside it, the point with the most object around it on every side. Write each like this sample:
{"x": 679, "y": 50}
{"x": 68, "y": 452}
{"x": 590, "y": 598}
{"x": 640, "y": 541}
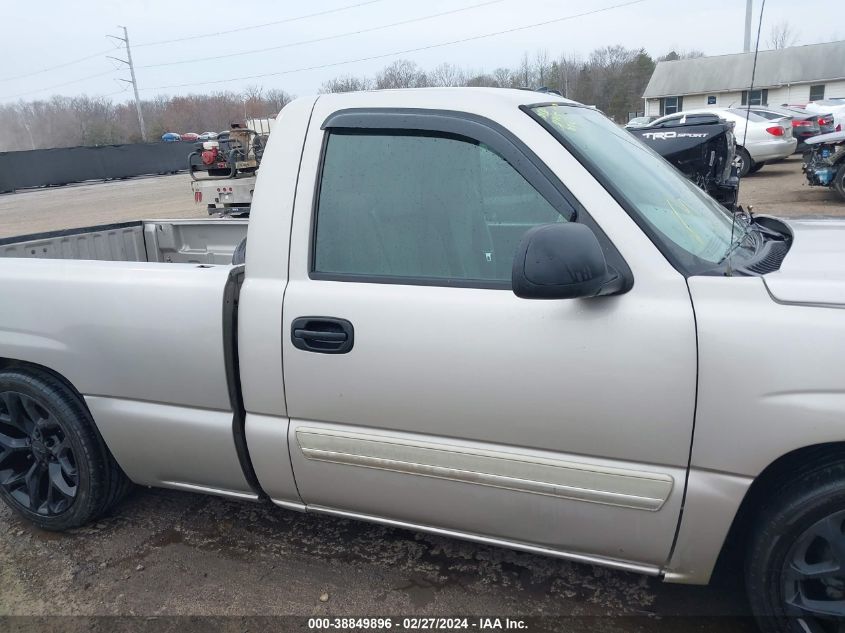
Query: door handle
{"x": 323, "y": 335}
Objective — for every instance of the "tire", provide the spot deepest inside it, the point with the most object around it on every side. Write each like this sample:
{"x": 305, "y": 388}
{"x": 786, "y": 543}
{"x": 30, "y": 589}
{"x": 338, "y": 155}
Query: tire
{"x": 744, "y": 162}
{"x": 839, "y": 181}
{"x": 756, "y": 167}
{"x": 55, "y": 469}
{"x": 804, "y": 527}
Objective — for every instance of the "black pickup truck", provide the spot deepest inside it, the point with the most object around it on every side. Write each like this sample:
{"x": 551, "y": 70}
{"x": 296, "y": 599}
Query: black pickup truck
{"x": 702, "y": 147}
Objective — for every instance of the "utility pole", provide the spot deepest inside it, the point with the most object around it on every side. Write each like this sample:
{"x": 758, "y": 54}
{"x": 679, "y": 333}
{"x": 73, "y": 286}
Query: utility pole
{"x": 746, "y": 48}
{"x": 134, "y": 82}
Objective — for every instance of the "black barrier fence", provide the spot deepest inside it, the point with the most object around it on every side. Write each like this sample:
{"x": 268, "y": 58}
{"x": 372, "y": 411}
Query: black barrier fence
{"x": 45, "y": 167}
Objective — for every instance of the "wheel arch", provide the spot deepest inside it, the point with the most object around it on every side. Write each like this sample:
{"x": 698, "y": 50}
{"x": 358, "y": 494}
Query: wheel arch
{"x": 24, "y": 365}
{"x": 13, "y": 363}
{"x": 764, "y": 489}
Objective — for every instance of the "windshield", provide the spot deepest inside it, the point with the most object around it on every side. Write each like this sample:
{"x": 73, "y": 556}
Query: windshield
{"x": 691, "y": 228}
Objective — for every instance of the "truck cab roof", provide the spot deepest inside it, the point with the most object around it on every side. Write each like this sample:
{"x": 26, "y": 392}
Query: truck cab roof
{"x": 476, "y": 100}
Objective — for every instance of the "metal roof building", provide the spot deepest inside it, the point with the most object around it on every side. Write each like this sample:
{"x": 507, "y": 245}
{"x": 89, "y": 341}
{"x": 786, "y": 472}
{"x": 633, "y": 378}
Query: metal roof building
{"x": 797, "y": 74}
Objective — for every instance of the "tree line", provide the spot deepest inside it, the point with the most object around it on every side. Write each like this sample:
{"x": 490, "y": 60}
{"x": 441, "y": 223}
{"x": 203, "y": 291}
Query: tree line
{"x": 612, "y": 78}
{"x": 73, "y": 121}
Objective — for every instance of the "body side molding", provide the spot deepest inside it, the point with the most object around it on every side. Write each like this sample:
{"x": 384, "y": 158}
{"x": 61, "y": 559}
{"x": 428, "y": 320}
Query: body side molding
{"x": 550, "y": 477}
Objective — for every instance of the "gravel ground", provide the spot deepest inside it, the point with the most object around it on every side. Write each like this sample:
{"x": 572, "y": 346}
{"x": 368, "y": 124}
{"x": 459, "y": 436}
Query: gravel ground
{"x": 74, "y": 206}
{"x": 166, "y": 553}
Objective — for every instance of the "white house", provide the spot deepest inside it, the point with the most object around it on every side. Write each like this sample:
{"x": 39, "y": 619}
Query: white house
{"x": 793, "y": 75}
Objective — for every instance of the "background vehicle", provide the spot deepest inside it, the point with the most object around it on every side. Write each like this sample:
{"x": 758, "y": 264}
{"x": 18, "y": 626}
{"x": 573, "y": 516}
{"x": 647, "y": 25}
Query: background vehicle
{"x": 225, "y": 197}
{"x": 484, "y": 313}
{"x": 190, "y": 136}
{"x": 223, "y": 171}
{"x": 236, "y": 152}
{"x": 805, "y": 124}
{"x": 169, "y": 137}
{"x": 640, "y": 121}
{"x": 764, "y": 141}
{"x": 835, "y": 107}
{"x": 824, "y": 164}
{"x": 207, "y": 136}
{"x": 702, "y": 146}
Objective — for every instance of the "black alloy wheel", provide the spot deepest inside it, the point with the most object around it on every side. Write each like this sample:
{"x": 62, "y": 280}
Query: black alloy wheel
{"x": 37, "y": 463}
{"x": 814, "y": 575}
{"x": 795, "y": 567}
{"x": 55, "y": 469}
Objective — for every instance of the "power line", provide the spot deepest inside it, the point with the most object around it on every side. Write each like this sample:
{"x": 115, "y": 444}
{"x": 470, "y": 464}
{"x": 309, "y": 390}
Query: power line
{"x": 260, "y": 26}
{"x": 326, "y": 38}
{"x": 67, "y": 83}
{"x": 183, "y": 39}
{"x": 65, "y": 64}
{"x": 403, "y": 52}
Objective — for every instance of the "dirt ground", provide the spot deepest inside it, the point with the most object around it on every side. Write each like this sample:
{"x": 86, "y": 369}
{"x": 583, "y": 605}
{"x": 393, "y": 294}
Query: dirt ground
{"x": 166, "y": 553}
{"x": 781, "y": 189}
{"x": 777, "y": 189}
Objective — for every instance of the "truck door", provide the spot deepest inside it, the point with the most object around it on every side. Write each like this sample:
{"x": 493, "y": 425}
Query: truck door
{"x": 422, "y": 391}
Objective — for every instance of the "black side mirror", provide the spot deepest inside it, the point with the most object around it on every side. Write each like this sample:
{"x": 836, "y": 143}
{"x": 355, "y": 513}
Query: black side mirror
{"x": 560, "y": 261}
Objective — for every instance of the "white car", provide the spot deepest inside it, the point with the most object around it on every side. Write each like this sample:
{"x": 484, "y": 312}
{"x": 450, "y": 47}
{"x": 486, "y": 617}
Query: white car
{"x": 764, "y": 141}
{"x": 836, "y": 107}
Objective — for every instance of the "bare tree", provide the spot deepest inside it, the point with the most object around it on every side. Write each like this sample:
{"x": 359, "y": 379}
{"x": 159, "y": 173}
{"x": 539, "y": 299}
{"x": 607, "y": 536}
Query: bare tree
{"x": 446, "y": 75}
{"x": 482, "y": 80}
{"x": 524, "y": 72}
{"x": 564, "y": 74}
{"x": 782, "y": 35}
{"x": 504, "y": 78}
{"x": 401, "y": 74}
{"x": 347, "y": 83}
{"x": 542, "y": 67}
{"x": 275, "y": 99}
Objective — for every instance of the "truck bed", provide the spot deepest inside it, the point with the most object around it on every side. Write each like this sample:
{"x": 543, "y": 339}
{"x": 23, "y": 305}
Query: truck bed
{"x": 169, "y": 241}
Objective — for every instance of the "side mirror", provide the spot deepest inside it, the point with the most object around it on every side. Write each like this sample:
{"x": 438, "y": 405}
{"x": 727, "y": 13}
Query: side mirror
{"x": 560, "y": 261}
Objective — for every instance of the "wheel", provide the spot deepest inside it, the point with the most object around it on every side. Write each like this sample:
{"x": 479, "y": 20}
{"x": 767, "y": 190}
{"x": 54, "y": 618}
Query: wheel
{"x": 795, "y": 571}
{"x": 839, "y": 181}
{"x": 55, "y": 469}
{"x": 756, "y": 167}
{"x": 743, "y": 162}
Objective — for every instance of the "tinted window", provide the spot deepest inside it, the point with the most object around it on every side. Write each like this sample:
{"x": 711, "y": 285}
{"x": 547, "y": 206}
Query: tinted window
{"x": 421, "y": 206}
{"x": 817, "y": 92}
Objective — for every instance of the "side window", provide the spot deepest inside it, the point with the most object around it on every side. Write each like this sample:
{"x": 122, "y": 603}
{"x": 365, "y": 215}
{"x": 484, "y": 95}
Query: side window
{"x": 817, "y": 92}
{"x": 671, "y": 105}
{"x": 755, "y": 97}
{"x": 421, "y": 206}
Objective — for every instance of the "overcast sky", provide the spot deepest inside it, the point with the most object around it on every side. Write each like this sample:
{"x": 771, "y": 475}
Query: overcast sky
{"x": 41, "y": 34}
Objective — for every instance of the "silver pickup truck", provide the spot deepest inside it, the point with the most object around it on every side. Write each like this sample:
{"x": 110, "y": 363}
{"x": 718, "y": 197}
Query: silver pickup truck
{"x": 488, "y": 314}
